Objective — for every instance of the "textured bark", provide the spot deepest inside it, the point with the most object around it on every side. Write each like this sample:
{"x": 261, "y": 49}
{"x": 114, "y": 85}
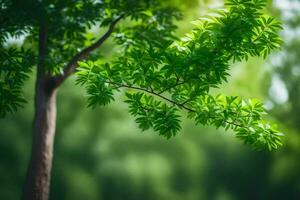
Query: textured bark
{"x": 37, "y": 182}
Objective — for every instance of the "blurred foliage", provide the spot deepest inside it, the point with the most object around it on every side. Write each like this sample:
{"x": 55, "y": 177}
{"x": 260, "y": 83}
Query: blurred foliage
{"x": 101, "y": 154}
{"x": 286, "y": 67}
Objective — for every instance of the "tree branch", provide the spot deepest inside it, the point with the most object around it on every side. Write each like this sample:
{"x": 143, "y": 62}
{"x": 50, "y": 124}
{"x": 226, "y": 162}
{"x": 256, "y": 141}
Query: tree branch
{"x": 173, "y": 86}
{"x": 151, "y": 92}
{"x": 180, "y": 105}
{"x": 71, "y": 66}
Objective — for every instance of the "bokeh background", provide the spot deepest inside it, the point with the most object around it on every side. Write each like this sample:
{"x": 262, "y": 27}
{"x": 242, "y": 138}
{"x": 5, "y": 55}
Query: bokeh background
{"x": 100, "y": 154}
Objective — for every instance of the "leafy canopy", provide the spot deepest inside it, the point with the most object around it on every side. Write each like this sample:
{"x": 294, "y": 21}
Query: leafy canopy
{"x": 164, "y": 74}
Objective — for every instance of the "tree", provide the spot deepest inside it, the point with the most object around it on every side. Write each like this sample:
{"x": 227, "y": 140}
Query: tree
{"x": 164, "y": 74}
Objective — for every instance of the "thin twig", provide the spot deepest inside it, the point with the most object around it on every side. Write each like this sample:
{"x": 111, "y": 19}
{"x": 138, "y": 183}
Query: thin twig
{"x": 165, "y": 98}
{"x": 173, "y": 86}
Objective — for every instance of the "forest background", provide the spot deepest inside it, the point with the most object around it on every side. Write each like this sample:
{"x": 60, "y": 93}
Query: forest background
{"x": 101, "y": 153}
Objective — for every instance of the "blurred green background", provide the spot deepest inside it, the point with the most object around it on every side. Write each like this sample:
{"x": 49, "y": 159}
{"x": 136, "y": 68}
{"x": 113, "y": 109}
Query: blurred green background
{"x": 101, "y": 154}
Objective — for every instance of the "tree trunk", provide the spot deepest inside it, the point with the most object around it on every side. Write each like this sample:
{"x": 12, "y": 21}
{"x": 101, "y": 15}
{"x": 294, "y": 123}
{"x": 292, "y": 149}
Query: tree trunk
{"x": 37, "y": 182}
{"x": 36, "y": 186}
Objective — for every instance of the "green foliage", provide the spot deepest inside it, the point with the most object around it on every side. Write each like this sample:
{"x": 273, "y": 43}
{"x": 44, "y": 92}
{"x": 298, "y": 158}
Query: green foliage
{"x": 15, "y": 66}
{"x": 67, "y": 23}
{"x": 169, "y": 75}
{"x": 244, "y": 117}
{"x": 153, "y": 113}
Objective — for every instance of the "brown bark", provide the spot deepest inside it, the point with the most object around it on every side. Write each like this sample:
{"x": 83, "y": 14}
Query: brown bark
{"x": 36, "y": 186}
{"x": 37, "y": 182}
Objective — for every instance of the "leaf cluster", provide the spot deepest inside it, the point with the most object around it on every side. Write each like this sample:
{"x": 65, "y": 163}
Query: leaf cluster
{"x": 170, "y": 74}
{"x": 14, "y": 69}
